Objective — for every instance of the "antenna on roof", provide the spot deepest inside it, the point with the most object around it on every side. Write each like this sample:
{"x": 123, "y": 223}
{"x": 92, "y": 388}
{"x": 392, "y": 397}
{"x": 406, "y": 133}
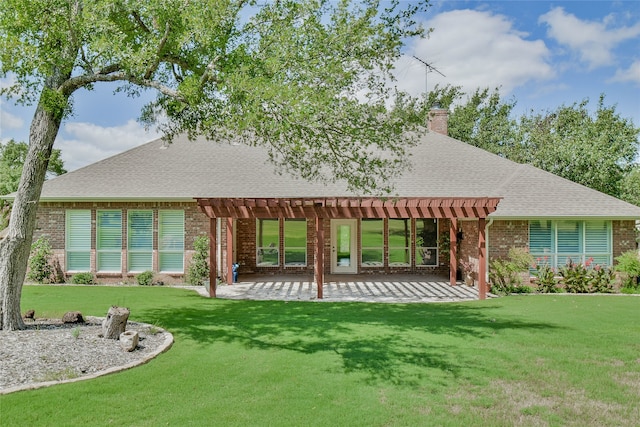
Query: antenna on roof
{"x": 428, "y": 69}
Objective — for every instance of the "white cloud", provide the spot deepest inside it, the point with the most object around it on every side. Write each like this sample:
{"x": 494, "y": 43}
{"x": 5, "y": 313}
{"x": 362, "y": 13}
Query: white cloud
{"x": 592, "y": 41}
{"x": 474, "y": 49}
{"x": 10, "y": 121}
{"x": 631, "y": 74}
{"x": 89, "y": 143}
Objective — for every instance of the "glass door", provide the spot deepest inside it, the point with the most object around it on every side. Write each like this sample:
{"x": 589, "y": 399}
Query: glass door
{"x": 343, "y": 246}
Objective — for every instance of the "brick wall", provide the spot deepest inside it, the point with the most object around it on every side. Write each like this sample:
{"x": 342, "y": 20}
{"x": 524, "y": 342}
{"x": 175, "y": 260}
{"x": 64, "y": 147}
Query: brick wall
{"x": 51, "y": 222}
{"x": 624, "y": 237}
{"x": 502, "y": 236}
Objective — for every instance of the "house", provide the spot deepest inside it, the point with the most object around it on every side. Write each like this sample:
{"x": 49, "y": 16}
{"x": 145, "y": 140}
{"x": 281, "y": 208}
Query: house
{"x": 142, "y": 210}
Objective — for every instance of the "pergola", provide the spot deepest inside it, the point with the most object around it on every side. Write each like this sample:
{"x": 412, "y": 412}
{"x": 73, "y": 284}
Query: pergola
{"x": 321, "y": 209}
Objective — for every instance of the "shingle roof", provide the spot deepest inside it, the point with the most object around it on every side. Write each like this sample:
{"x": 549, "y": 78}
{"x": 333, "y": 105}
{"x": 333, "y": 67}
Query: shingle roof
{"x": 442, "y": 167}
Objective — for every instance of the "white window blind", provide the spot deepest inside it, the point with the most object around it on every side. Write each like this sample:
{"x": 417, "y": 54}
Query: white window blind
{"x": 171, "y": 241}
{"x": 558, "y": 242}
{"x": 78, "y": 240}
{"x": 140, "y": 240}
{"x": 109, "y": 241}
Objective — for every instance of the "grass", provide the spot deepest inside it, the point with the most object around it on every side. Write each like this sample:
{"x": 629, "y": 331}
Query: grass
{"x": 520, "y": 360}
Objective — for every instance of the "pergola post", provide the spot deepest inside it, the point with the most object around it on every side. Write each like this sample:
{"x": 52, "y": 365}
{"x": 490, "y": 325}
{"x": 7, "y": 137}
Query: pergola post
{"x": 453, "y": 251}
{"x": 213, "y": 256}
{"x": 319, "y": 257}
{"x": 229, "y": 250}
{"x": 482, "y": 259}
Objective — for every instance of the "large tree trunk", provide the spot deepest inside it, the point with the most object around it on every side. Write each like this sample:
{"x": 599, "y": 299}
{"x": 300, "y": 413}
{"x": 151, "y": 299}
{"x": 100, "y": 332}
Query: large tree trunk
{"x": 15, "y": 248}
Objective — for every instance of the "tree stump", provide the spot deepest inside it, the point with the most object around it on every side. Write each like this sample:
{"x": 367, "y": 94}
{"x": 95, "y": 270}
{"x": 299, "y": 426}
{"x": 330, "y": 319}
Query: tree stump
{"x": 115, "y": 323}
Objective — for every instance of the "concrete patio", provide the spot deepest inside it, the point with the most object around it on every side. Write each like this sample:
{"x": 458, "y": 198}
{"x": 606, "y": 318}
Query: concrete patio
{"x": 348, "y": 288}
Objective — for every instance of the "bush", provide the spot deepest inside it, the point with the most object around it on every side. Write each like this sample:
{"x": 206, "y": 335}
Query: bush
{"x": 145, "y": 278}
{"x": 505, "y": 274}
{"x": 582, "y": 278}
{"x": 199, "y": 267}
{"x": 575, "y": 278}
{"x": 83, "y": 279}
{"x": 40, "y": 268}
{"x": 629, "y": 266}
{"x": 602, "y": 280}
{"x": 522, "y": 289}
{"x": 545, "y": 277}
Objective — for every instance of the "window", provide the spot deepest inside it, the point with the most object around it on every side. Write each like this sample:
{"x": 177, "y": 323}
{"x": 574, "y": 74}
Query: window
{"x": 372, "y": 241}
{"x": 78, "y": 240}
{"x": 171, "y": 241}
{"x": 427, "y": 242}
{"x": 267, "y": 242}
{"x": 295, "y": 242}
{"x": 109, "y": 241}
{"x": 140, "y": 240}
{"x": 399, "y": 242}
{"x": 560, "y": 241}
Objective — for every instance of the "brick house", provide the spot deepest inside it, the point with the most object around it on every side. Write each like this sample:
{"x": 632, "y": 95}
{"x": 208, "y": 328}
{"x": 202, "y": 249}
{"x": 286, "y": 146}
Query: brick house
{"x": 142, "y": 210}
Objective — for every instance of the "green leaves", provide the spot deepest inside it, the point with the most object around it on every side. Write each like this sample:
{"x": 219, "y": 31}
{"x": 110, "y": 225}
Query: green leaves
{"x": 307, "y": 78}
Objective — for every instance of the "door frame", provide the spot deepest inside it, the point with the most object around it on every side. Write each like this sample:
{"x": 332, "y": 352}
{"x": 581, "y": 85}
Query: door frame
{"x": 352, "y": 268}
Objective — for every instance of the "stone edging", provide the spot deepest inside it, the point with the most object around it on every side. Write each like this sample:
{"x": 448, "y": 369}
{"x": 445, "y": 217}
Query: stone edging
{"x": 166, "y": 345}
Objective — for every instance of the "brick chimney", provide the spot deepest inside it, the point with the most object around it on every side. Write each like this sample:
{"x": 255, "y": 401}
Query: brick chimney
{"x": 438, "y": 119}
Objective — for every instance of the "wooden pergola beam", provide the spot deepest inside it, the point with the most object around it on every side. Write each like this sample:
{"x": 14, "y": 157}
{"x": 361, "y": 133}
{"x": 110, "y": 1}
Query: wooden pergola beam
{"x": 335, "y": 208}
{"x": 327, "y": 208}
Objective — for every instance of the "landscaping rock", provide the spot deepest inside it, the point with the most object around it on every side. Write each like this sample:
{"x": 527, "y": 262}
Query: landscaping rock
{"x": 129, "y": 340}
{"x": 72, "y": 317}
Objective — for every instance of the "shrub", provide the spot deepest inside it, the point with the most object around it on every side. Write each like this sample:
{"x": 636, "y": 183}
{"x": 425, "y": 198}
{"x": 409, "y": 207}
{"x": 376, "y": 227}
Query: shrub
{"x": 582, "y": 278}
{"x": 629, "y": 266}
{"x": 199, "y": 266}
{"x": 40, "y": 268}
{"x": 145, "y": 278}
{"x": 545, "y": 276}
{"x": 602, "y": 279}
{"x": 505, "y": 274}
{"x": 522, "y": 289}
{"x": 575, "y": 278}
{"x": 85, "y": 278}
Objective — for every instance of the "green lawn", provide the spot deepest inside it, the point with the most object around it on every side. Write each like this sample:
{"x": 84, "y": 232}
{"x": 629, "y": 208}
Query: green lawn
{"x": 520, "y": 360}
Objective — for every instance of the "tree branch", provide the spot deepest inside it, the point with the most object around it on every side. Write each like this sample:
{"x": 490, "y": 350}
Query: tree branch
{"x": 161, "y": 46}
{"x": 112, "y": 74}
{"x": 139, "y": 21}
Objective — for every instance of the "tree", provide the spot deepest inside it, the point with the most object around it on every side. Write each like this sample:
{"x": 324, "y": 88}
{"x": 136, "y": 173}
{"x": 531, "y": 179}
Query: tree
{"x": 484, "y": 120}
{"x": 631, "y": 186}
{"x": 596, "y": 150}
{"x": 12, "y": 156}
{"x": 306, "y": 79}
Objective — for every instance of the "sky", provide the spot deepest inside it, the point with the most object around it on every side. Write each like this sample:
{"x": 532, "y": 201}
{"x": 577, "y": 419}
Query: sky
{"x": 542, "y": 54}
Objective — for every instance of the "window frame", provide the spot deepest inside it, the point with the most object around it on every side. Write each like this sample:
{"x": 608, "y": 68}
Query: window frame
{"x": 406, "y": 248}
{"x": 371, "y": 263}
{"x": 84, "y": 250}
{"x": 555, "y": 255}
{"x": 137, "y": 252}
{"x": 270, "y": 249}
{"x": 171, "y": 238}
{"x": 286, "y": 238}
{"x": 115, "y": 250}
{"x": 428, "y": 249}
